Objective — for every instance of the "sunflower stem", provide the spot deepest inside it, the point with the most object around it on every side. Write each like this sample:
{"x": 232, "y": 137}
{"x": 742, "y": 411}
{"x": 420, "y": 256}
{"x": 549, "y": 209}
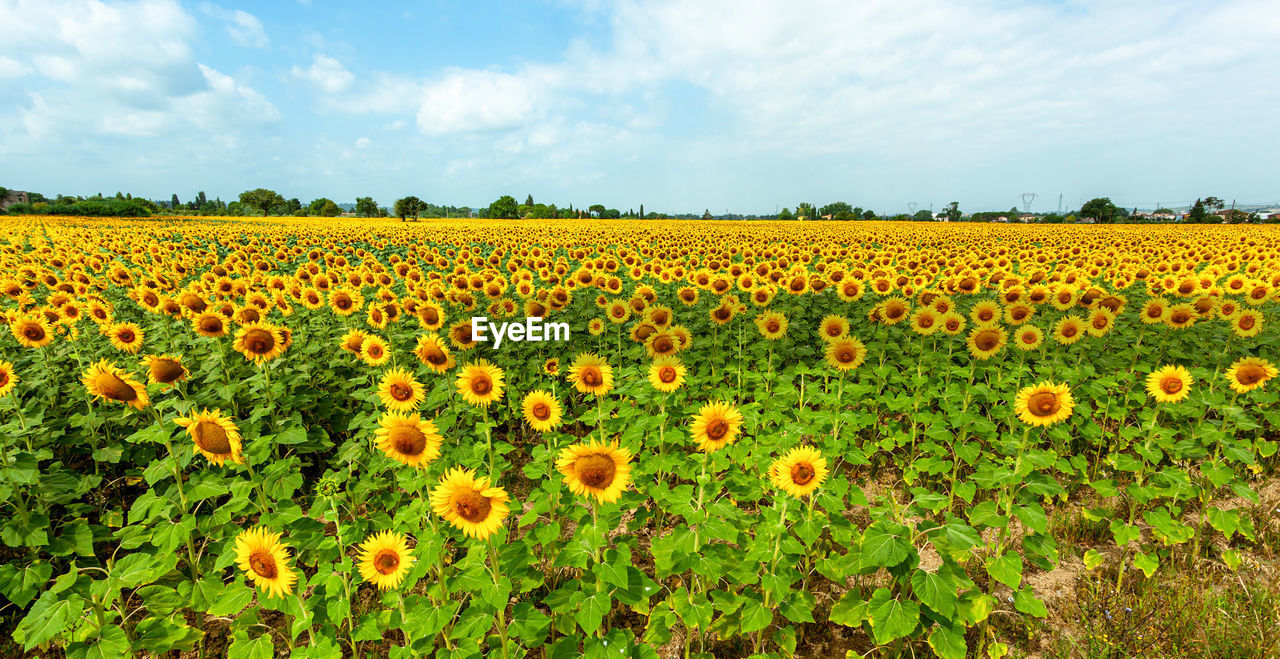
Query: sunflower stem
{"x": 346, "y": 581}
{"x": 502, "y": 610}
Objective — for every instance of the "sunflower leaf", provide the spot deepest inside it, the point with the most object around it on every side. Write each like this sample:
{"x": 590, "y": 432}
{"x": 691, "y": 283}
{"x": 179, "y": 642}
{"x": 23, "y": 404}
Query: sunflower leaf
{"x": 891, "y": 618}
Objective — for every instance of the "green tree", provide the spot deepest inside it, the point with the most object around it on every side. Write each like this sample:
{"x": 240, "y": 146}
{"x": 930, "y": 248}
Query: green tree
{"x": 785, "y": 215}
{"x": 410, "y": 206}
{"x": 1101, "y": 209}
{"x": 505, "y": 208}
{"x": 1213, "y": 204}
{"x": 952, "y": 212}
{"x": 293, "y": 205}
{"x": 261, "y": 199}
{"x": 923, "y": 215}
{"x": 174, "y": 203}
{"x": 833, "y": 208}
{"x": 805, "y": 211}
{"x": 706, "y": 214}
{"x": 366, "y": 207}
{"x": 844, "y": 216}
{"x": 868, "y": 215}
{"x": 324, "y": 207}
{"x": 596, "y": 209}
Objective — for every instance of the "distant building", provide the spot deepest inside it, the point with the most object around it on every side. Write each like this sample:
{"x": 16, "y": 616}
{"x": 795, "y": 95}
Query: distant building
{"x": 1088, "y": 220}
{"x": 1026, "y": 218}
{"x": 14, "y": 197}
{"x": 1274, "y": 216}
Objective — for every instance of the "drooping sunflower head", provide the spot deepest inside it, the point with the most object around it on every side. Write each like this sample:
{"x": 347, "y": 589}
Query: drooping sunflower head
{"x": 259, "y": 342}
{"x": 1169, "y": 384}
{"x": 846, "y": 353}
{"x": 1249, "y": 373}
{"x": 591, "y": 374}
{"x": 408, "y": 439}
{"x": 1044, "y": 404}
{"x": 385, "y": 559}
{"x": 400, "y": 391}
{"x": 541, "y": 410}
{"x": 666, "y": 374}
{"x": 599, "y": 470}
{"x": 353, "y": 340}
{"x": 165, "y": 369}
{"x": 214, "y": 435}
{"x": 716, "y": 425}
{"x": 104, "y": 380}
{"x": 469, "y": 503}
{"x": 8, "y": 379}
{"x": 798, "y": 473}
{"x": 433, "y": 353}
{"x": 480, "y": 383}
{"x": 264, "y": 559}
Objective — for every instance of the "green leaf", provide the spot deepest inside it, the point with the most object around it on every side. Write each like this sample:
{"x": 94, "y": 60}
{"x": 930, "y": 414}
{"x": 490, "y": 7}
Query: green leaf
{"x": 529, "y": 624}
{"x": 891, "y": 618}
{"x": 1146, "y": 562}
{"x": 935, "y": 591}
{"x": 259, "y": 648}
{"x": 755, "y": 616}
{"x": 48, "y": 617}
{"x": 1033, "y": 516}
{"x": 1007, "y": 569}
{"x": 110, "y": 644}
{"x": 1026, "y": 602}
{"x": 1093, "y": 559}
{"x": 233, "y": 600}
{"x": 850, "y": 611}
{"x": 882, "y": 545}
{"x": 948, "y": 642}
{"x": 592, "y": 610}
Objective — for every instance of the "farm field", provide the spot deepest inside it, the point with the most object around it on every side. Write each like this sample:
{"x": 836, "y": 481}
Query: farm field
{"x": 273, "y": 437}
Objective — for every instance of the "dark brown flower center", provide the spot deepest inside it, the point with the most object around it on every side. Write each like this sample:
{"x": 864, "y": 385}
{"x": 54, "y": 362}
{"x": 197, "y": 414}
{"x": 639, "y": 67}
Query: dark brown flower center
{"x": 986, "y": 315}
{"x": 407, "y": 440}
{"x": 717, "y": 429}
{"x": 211, "y": 324}
{"x": 1247, "y": 322}
{"x": 1171, "y": 384}
{"x": 386, "y": 561}
{"x": 667, "y": 374}
{"x": 436, "y": 357}
{"x": 211, "y": 437}
{"x": 541, "y": 411}
{"x": 925, "y": 321}
{"x": 472, "y": 506}
{"x": 401, "y": 392}
{"x": 33, "y": 332}
{"x": 166, "y": 370}
{"x": 116, "y": 389}
{"x": 1251, "y": 374}
{"x": 1180, "y": 317}
{"x": 126, "y": 336}
{"x": 772, "y": 326}
{"x": 1043, "y": 403}
{"x": 595, "y": 470}
{"x": 481, "y": 384}
{"x": 263, "y": 564}
{"x": 591, "y": 377}
{"x": 801, "y": 473}
{"x": 662, "y": 345}
{"x": 259, "y": 341}
{"x": 986, "y": 340}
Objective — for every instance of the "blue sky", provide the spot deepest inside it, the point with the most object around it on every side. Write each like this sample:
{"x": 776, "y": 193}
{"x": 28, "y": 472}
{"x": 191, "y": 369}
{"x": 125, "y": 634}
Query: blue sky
{"x": 728, "y": 105}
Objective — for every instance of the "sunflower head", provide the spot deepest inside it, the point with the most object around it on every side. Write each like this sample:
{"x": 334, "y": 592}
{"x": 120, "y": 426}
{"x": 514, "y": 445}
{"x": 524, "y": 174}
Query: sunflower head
{"x": 8, "y": 379}
{"x": 165, "y": 369}
{"x": 1249, "y": 373}
{"x": 1169, "y": 384}
{"x": 375, "y": 351}
{"x": 591, "y": 374}
{"x": 384, "y": 559}
{"x": 833, "y": 327}
{"x": 469, "y": 503}
{"x": 480, "y": 383}
{"x": 846, "y": 353}
{"x": 259, "y": 342}
{"x": 1044, "y": 404}
{"x": 541, "y": 410}
{"x": 408, "y": 439}
{"x": 214, "y": 436}
{"x": 433, "y": 353}
{"x": 598, "y": 470}
{"x": 31, "y": 331}
{"x": 799, "y": 472}
{"x": 104, "y": 380}
{"x": 264, "y": 559}
{"x": 400, "y": 391}
{"x": 716, "y": 425}
{"x": 666, "y": 374}
{"x": 986, "y": 340}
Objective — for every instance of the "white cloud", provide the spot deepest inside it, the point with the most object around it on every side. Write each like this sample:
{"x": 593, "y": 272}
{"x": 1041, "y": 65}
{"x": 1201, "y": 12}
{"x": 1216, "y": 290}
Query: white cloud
{"x": 243, "y": 28}
{"x": 12, "y": 68}
{"x": 468, "y": 101}
{"x": 326, "y": 73}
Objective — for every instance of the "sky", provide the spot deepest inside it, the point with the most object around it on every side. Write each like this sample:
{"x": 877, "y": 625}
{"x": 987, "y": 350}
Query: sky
{"x": 728, "y": 105}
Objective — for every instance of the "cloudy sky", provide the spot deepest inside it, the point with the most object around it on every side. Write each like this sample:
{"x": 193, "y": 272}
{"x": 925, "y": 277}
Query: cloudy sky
{"x": 730, "y": 105}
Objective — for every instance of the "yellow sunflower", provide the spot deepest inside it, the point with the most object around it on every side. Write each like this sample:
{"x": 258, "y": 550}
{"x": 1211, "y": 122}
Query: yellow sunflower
{"x": 551, "y": 366}
{"x": 1247, "y": 323}
{"x": 126, "y": 337}
{"x": 846, "y": 353}
{"x": 400, "y": 391}
{"x": 8, "y": 379}
{"x": 1068, "y": 330}
{"x": 469, "y": 503}
{"x": 1249, "y": 373}
{"x": 104, "y": 380}
{"x": 1028, "y": 338}
{"x": 599, "y": 470}
{"x": 799, "y": 472}
{"x": 259, "y": 342}
{"x": 1044, "y": 404}
{"x": 591, "y": 374}
{"x": 385, "y": 559}
{"x": 772, "y": 325}
{"x": 1169, "y": 384}
{"x": 353, "y": 340}
{"x": 480, "y": 383}
{"x": 433, "y": 353}
{"x": 31, "y": 331}
{"x": 716, "y": 426}
{"x": 541, "y": 410}
{"x": 833, "y": 327}
{"x": 408, "y": 439}
{"x": 375, "y": 351}
{"x": 214, "y": 436}
{"x": 952, "y": 323}
{"x": 209, "y": 324}
{"x": 986, "y": 340}
{"x": 261, "y": 555}
{"x": 165, "y": 369}
{"x": 666, "y": 374}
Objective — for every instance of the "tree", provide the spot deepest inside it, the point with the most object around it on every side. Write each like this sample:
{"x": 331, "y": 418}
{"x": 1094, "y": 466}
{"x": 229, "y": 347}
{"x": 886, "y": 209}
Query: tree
{"x": 923, "y": 215}
{"x": 805, "y": 211}
{"x": 1197, "y": 214}
{"x": 174, "y": 203}
{"x": 597, "y": 210}
{"x": 201, "y": 200}
{"x": 1101, "y": 209}
{"x": 706, "y": 214}
{"x": 293, "y": 206}
{"x": 1213, "y": 203}
{"x": 868, "y": 215}
{"x": 505, "y": 208}
{"x": 785, "y": 215}
{"x": 843, "y": 216}
{"x": 952, "y": 211}
{"x": 835, "y": 207}
{"x": 528, "y": 201}
{"x": 323, "y": 207}
{"x": 261, "y": 199}
{"x": 642, "y": 211}
{"x": 366, "y": 207}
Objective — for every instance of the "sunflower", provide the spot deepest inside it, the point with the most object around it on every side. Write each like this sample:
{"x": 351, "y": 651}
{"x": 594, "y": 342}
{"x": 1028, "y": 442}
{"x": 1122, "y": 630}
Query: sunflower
{"x": 480, "y": 383}
{"x": 846, "y": 353}
{"x": 1169, "y": 384}
{"x": 1181, "y": 316}
{"x": 772, "y": 325}
{"x": 598, "y": 470}
{"x": 833, "y": 327}
{"x": 716, "y": 425}
{"x": 618, "y": 312}
{"x": 214, "y": 435}
{"x": 661, "y": 343}
{"x": 1068, "y": 330}
{"x": 400, "y": 391}
{"x": 164, "y": 369}
{"x": 469, "y": 504}
{"x": 1247, "y": 323}
{"x": 8, "y": 379}
{"x": 433, "y": 353}
{"x": 1044, "y": 404}
{"x": 352, "y": 340}
{"x": 666, "y": 374}
{"x": 1018, "y": 313}
{"x": 259, "y": 342}
{"x": 986, "y": 340}
{"x": 126, "y": 337}
{"x": 541, "y": 410}
{"x": 551, "y": 366}
{"x": 104, "y": 380}
{"x": 385, "y": 559}
{"x": 264, "y": 559}
{"x": 951, "y": 323}
{"x": 1154, "y": 311}
{"x": 209, "y": 324}
{"x": 1249, "y": 373}
{"x": 1028, "y": 338}
{"x": 408, "y": 439}
{"x": 924, "y": 321}
{"x": 460, "y": 335}
{"x": 591, "y": 374}
{"x": 595, "y": 327}
{"x": 985, "y": 312}
{"x": 1100, "y": 321}
{"x": 31, "y": 331}
{"x": 799, "y": 472}
{"x": 375, "y": 351}
{"x": 344, "y": 302}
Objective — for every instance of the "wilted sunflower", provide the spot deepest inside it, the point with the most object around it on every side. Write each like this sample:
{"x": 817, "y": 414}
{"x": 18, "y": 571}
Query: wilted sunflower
{"x": 666, "y": 374}
{"x": 480, "y": 383}
{"x": 262, "y": 556}
{"x": 716, "y": 426}
{"x": 375, "y": 351}
{"x": 1169, "y": 384}
{"x": 986, "y": 340}
{"x": 599, "y": 470}
{"x": 591, "y": 374}
{"x": 1044, "y": 404}
{"x": 433, "y": 353}
{"x": 104, "y": 380}
{"x": 1068, "y": 330}
{"x": 846, "y": 353}
{"x": 1247, "y": 323}
{"x": 214, "y": 436}
{"x": 772, "y": 325}
{"x": 799, "y": 472}
{"x": 31, "y": 331}
{"x": 408, "y": 439}
{"x": 385, "y": 559}
{"x": 833, "y": 327}
{"x": 541, "y": 410}
{"x": 400, "y": 391}
{"x": 469, "y": 504}
{"x": 165, "y": 369}
{"x": 126, "y": 337}
{"x": 8, "y": 379}
{"x": 1249, "y": 373}
{"x": 259, "y": 342}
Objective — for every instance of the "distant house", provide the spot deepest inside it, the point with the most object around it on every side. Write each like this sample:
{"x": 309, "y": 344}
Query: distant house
{"x": 1026, "y": 218}
{"x": 1088, "y": 220}
{"x": 1000, "y": 218}
{"x": 14, "y": 197}
{"x": 1274, "y": 217}
{"x": 1163, "y": 217}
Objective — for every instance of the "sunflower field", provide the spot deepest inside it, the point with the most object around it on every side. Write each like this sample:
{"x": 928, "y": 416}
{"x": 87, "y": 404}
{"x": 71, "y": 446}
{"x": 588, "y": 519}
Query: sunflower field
{"x": 258, "y": 438}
